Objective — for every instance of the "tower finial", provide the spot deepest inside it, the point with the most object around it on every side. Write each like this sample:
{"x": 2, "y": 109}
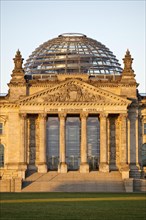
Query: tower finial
{"x": 18, "y": 71}
{"x": 128, "y": 73}
{"x": 18, "y": 60}
{"x": 128, "y": 62}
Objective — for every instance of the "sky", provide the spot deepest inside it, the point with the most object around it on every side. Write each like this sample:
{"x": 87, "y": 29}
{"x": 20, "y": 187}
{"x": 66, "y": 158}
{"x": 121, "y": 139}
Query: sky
{"x": 120, "y": 25}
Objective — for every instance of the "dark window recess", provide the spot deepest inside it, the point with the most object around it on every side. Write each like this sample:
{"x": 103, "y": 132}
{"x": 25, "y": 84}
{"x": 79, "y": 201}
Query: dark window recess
{"x": 144, "y": 128}
{"x": 1, "y": 128}
{"x": 1, "y": 155}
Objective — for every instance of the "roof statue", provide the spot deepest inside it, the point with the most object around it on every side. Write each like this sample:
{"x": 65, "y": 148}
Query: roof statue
{"x": 18, "y": 61}
{"x": 18, "y": 72}
{"x": 128, "y": 72}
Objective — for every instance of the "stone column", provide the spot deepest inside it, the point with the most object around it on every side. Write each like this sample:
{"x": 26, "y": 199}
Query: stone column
{"x": 42, "y": 167}
{"x": 103, "y": 166}
{"x": 124, "y": 167}
{"x": 62, "y": 167}
{"x": 23, "y": 144}
{"x": 128, "y": 123}
{"x": 136, "y": 137}
{"x": 84, "y": 166}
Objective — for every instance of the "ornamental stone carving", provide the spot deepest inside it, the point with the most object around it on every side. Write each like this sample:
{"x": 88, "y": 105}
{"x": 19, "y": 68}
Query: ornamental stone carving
{"x": 23, "y": 116}
{"x": 84, "y": 115}
{"x": 42, "y": 116}
{"x": 128, "y": 61}
{"x": 123, "y": 116}
{"x": 103, "y": 115}
{"x": 62, "y": 115}
{"x": 18, "y": 60}
{"x": 128, "y": 71}
{"x": 73, "y": 93}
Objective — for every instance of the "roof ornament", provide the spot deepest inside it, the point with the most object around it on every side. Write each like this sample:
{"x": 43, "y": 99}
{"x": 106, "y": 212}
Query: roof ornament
{"x": 128, "y": 61}
{"x": 128, "y": 72}
{"x": 18, "y": 71}
{"x": 18, "y": 61}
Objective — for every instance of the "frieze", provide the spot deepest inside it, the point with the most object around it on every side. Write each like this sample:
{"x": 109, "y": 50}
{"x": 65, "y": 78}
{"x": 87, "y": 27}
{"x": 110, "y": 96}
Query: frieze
{"x": 73, "y": 110}
{"x": 3, "y": 118}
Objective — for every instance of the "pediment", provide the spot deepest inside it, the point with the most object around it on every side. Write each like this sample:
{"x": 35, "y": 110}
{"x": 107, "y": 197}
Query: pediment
{"x": 74, "y": 91}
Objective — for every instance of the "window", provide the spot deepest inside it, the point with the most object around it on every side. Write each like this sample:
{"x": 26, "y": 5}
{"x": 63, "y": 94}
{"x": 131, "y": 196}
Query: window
{"x": 143, "y": 154}
{"x": 144, "y": 128}
{"x": 1, "y": 155}
{"x": 1, "y": 128}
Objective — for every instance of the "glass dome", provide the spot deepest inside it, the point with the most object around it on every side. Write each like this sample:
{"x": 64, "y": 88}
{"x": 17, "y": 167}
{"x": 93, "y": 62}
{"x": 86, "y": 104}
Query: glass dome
{"x": 72, "y": 53}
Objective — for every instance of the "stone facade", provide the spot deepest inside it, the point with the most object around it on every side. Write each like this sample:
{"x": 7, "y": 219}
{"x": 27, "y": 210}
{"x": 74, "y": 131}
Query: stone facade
{"x": 113, "y": 99}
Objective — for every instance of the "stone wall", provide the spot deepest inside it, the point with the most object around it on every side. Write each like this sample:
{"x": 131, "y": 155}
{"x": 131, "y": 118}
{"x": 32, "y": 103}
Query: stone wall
{"x": 139, "y": 185}
{"x": 11, "y": 185}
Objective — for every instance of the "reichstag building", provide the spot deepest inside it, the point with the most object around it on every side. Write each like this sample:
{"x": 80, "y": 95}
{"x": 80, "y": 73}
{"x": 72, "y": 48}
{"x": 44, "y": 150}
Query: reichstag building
{"x": 72, "y": 110}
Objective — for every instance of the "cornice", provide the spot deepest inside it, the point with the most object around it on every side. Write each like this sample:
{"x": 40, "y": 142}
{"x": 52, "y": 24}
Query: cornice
{"x": 95, "y": 96}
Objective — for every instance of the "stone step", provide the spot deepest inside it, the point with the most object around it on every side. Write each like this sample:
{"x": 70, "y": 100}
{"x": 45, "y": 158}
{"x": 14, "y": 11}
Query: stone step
{"x": 71, "y": 175}
{"x": 75, "y": 187}
{"x": 74, "y": 182}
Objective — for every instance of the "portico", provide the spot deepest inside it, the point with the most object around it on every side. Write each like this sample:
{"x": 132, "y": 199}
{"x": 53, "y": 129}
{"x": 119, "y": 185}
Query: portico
{"x": 62, "y": 141}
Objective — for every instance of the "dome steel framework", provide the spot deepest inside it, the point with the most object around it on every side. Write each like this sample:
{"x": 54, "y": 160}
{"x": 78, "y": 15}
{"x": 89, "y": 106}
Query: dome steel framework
{"x": 72, "y": 53}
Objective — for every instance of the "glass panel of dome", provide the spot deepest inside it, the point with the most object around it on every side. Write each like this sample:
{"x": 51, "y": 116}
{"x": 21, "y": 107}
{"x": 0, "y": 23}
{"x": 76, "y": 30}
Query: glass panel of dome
{"x": 81, "y": 46}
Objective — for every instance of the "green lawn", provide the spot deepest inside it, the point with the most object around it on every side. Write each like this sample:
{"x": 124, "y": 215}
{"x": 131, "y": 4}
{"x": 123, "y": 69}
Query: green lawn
{"x": 81, "y": 206}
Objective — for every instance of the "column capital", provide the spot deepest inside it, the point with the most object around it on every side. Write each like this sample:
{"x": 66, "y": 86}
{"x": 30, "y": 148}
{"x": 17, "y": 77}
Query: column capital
{"x": 141, "y": 118}
{"x": 83, "y": 115}
{"x": 123, "y": 115}
{"x": 62, "y": 115}
{"x": 42, "y": 115}
{"x": 103, "y": 115}
{"x": 23, "y": 115}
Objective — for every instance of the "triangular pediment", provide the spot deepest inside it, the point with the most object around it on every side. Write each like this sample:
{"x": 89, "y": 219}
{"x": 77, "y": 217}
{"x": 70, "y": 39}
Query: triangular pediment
{"x": 74, "y": 91}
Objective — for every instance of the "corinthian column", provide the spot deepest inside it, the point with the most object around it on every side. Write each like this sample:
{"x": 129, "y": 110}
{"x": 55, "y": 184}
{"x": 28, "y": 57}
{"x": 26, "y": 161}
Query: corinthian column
{"x": 23, "y": 144}
{"x": 84, "y": 166}
{"x": 103, "y": 166}
{"x": 62, "y": 167}
{"x": 42, "y": 167}
{"x": 137, "y": 132}
{"x": 123, "y": 146}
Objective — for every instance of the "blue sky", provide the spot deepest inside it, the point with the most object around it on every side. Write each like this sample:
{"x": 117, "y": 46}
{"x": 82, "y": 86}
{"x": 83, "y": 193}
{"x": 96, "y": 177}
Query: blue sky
{"x": 117, "y": 24}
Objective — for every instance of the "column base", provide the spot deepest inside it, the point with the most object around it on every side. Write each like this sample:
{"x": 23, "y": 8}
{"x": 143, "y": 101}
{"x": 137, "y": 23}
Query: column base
{"x": 21, "y": 174}
{"x": 22, "y": 167}
{"x": 42, "y": 168}
{"x": 104, "y": 167}
{"x": 135, "y": 171}
{"x": 128, "y": 185}
{"x": 124, "y": 170}
{"x": 62, "y": 168}
{"x": 84, "y": 168}
{"x": 144, "y": 172}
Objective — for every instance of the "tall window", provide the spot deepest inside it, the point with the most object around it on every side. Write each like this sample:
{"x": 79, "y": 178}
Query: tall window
{"x": 93, "y": 142}
{"x": 73, "y": 142}
{"x": 143, "y": 154}
{"x": 144, "y": 128}
{"x": 53, "y": 142}
{"x": 1, "y": 155}
{"x": 1, "y": 128}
